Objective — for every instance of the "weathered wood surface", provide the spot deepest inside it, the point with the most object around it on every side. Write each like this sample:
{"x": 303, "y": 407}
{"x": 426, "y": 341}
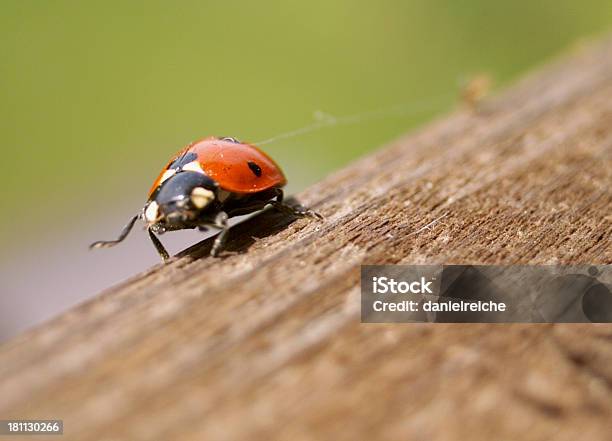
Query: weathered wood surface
{"x": 267, "y": 343}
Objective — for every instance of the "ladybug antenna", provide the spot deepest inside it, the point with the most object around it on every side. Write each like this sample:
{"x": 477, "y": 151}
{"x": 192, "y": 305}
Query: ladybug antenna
{"x": 126, "y": 230}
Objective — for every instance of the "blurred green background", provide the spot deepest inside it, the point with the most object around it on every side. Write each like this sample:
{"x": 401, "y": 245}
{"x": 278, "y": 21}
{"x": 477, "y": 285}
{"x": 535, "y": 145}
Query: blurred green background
{"x": 97, "y": 95}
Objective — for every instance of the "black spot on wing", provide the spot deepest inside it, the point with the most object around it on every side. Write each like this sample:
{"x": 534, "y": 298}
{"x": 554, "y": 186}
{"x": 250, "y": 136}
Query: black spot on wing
{"x": 254, "y": 168}
{"x": 183, "y": 160}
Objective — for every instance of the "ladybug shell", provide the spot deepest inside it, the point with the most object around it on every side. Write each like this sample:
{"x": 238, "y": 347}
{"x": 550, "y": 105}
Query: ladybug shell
{"x": 236, "y": 167}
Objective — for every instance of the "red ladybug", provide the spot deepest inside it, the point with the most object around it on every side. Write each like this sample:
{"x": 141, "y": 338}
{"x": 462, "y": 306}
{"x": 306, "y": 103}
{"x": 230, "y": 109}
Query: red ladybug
{"x": 206, "y": 183}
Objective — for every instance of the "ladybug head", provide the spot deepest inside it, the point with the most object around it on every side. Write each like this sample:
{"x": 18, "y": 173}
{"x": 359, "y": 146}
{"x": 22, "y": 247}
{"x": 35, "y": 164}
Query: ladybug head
{"x": 180, "y": 199}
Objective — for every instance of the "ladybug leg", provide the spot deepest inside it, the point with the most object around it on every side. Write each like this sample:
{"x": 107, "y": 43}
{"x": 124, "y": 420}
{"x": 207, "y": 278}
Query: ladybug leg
{"x": 297, "y": 210}
{"x": 221, "y": 224}
{"x": 126, "y": 230}
{"x": 158, "y": 246}
{"x": 247, "y": 209}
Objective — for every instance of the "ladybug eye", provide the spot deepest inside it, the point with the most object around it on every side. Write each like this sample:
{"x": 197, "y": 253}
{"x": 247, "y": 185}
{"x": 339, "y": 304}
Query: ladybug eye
{"x": 230, "y": 139}
{"x": 254, "y": 168}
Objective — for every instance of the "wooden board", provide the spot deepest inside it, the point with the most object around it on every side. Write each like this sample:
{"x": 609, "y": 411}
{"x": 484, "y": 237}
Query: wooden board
{"x": 267, "y": 343}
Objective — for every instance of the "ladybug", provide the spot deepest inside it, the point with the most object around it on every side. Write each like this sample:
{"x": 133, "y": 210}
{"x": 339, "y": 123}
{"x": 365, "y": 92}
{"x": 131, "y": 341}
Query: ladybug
{"x": 205, "y": 184}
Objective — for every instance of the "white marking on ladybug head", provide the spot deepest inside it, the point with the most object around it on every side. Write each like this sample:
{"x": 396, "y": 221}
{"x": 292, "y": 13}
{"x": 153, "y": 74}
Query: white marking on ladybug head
{"x": 167, "y": 174}
{"x": 201, "y": 197}
{"x": 193, "y": 166}
{"x": 151, "y": 212}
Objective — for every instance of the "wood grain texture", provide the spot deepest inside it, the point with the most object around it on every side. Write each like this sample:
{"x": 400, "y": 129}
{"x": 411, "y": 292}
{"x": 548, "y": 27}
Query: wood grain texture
{"x": 267, "y": 343}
